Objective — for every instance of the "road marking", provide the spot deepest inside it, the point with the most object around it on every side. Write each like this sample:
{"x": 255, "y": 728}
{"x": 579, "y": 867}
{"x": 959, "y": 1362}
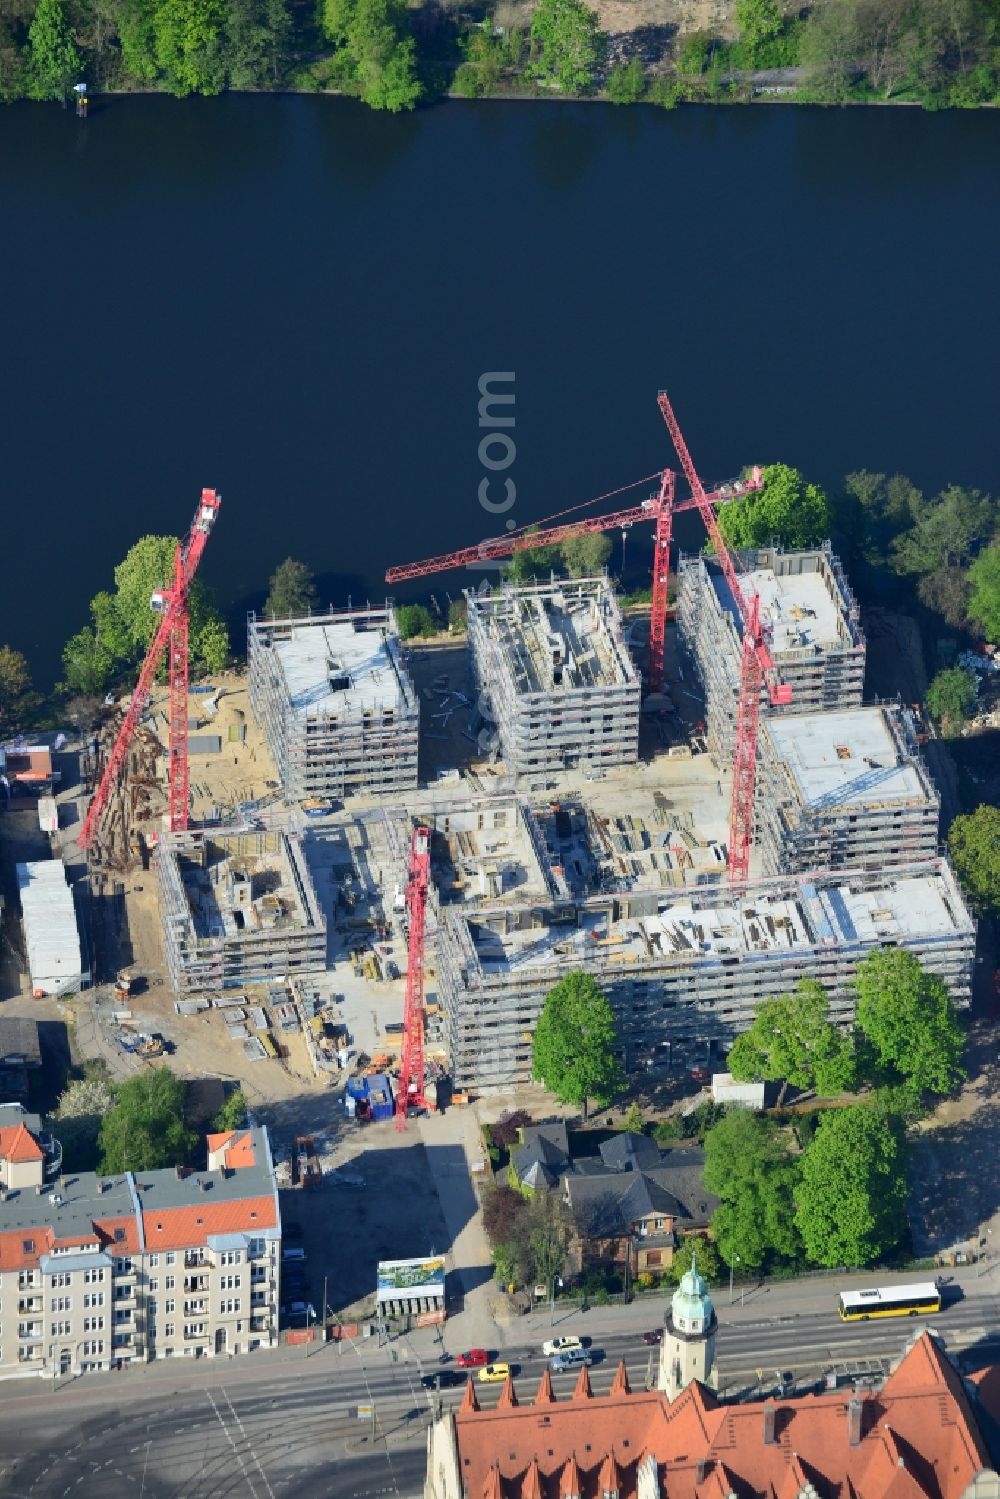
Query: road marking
{"x": 229, "y": 1438}
{"x": 253, "y": 1454}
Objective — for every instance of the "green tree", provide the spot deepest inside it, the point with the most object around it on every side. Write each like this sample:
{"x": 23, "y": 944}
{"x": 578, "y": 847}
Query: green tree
{"x": 704, "y": 1254}
{"x": 146, "y": 1130}
{"x": 792, "y": 1041}
{"x": 540, "y": 1240}
{"x": 627, "y": 82}
{"x": 750, "y": 1167}
{"x": 851, "y": 1199}
{"x": 947, "y": 591}
{"x": 786, "y": 510}
{"x": 15, "y": 686}
{"x": 587, "y": 555}
{"x": 533, "y": 562}
{"x": 81, "y": 1107}
{"x": 984, "y": 599}
{"x": 188, "y": 41}
{"x": 974, "y": 846}
{"x": 138, "y": 39}
{"x": 88, "y": 668}
{"x": 378, "y": 51}
{"x": 910, "y": 1022}
{"x": 292, "y": 589}
{"x": 211, "y": 644}
{"x": 874, "y": 510}
{"x": 759, "y": 22}
{"x": 951, "y": 695}
{"x": 567, "y": 45}
{"x": 233, "y": 1114}
{"x": 634, "y": 1120}
{"x": 458, "y": 616}
{"x": 573, "y": 1048}
{"x": 696, "y": 52}
{"x": 13, "y": 64}
{"x": 414, "y": 619}
{"x": 946, "y": 532}
{"x": 257, "y": 36}
{"x": 54, "y": 63}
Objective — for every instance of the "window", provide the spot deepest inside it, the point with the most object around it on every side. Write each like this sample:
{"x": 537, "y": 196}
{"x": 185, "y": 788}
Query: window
{"x": 61, "y": 1278}
{"x": 93, "y": 1324}
{"x": 154, "y": 1284}
{"x": 169, "y": 1330}
{"x": 93, "y": 1298}
{"x": 28, "y": 1246}
{"x": 93, "y": 1277}
{"x": 123, "y": 1267}
{"x": 154, "y": 1259}
{"x": 61, "y": 1304}
{"x": 168, "y": 1306}
{"x": 171, "y": 1283}
{"x": 60, "y": 1329}
{"x": 171, "y": 1257}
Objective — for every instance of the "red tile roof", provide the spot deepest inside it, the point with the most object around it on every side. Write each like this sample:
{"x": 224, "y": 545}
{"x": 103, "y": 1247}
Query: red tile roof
{"x": 188, "y": 1227}
{"x": 14, "y": 1256}
{"x": 919, "y": 1440}
{"x": 18, "y": 1144}
{"x": 237, "y": 1147}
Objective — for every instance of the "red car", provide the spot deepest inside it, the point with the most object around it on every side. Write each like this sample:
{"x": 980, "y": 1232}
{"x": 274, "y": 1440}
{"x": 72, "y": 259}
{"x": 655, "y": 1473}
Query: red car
{"x": 654, "y": 1336}
{"x": 700, "y": 1075}
{"x": 476, "y": 1358}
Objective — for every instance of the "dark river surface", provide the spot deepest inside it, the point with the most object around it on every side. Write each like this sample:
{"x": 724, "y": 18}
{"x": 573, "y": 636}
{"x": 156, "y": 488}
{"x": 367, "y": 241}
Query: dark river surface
{"x": 293, "y": 299}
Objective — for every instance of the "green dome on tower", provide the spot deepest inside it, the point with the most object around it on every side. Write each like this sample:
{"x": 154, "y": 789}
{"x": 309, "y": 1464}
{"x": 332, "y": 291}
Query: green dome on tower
{"x": 691, "y": 1306}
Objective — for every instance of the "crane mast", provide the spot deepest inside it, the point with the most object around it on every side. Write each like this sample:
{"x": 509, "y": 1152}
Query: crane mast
{"x": 171, "y": 604}
{"x": 410, "y": 1091}
{"x": 756, "y": 667}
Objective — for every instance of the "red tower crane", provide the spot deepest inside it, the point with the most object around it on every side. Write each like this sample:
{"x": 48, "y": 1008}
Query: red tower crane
{"x": 410, "y": 1090}
{"x": 756, "y": 667}
{"x": 171, "y": 603}
{"x": 660, "y": 508}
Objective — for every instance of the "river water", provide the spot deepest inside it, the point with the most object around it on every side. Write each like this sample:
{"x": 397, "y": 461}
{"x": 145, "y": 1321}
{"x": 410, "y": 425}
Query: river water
{"x": 293, "y": 299}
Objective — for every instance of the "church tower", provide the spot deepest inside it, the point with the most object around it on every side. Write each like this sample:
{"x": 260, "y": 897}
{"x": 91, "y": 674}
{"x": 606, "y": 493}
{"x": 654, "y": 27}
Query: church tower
{"x": 688, "y": 1348}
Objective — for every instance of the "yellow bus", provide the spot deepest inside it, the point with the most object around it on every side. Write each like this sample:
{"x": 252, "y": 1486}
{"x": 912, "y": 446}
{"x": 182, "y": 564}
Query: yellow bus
{"x": 890, "y": 1301}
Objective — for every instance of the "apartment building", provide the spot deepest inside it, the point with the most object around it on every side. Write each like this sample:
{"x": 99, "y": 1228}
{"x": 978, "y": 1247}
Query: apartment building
{"x": 97, "y": 1271}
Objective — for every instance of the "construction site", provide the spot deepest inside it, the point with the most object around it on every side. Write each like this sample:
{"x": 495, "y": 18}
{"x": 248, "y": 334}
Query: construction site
{"x": 335, "y": 700}
{"x": 810, "y": 623}
{"x": 555, "y": 679}
{"x": 690, "y": 967}
{"x": 699, "y": 816}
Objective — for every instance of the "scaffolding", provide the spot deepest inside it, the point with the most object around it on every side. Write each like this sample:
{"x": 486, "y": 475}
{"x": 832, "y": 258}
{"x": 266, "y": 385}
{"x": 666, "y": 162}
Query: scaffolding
{"x": 550, "y": 663}
{"x": 686, "y": 968}
{"x": 238, "y": 907}
{"x": 844, "y": 790}
{"x": 336, "y": 703}
{"x": 811, "y": 625}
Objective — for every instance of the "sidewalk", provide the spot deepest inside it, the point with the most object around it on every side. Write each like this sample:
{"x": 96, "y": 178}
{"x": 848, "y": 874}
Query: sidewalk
{"x": 471, "y": 1266}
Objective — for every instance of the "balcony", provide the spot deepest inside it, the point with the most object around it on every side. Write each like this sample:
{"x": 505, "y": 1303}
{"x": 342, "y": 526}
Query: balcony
{"x": 195, "y": 1283}
{"x": 260, "y": 1324}
{"x": 29, "y": 1332}
{"x": 195, "y": 1257}
{"x": 29, "y": 1304}
{"x": 26, "y": 1281}
{"x": 195, "y": 1334}
{"x": 196, "y": 1308}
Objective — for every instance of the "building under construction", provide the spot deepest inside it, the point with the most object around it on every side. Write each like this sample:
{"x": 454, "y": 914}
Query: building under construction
{"x": 336, "y": 703}
{"x": 842, "y": 790}
{"x": 688, "y": 967}
{"x": 238, "y": 907}
{"x": 552, "y": 668}
{"x": 811, "y": 625}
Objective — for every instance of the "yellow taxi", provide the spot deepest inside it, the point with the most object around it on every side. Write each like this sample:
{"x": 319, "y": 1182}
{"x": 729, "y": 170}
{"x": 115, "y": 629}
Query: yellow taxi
{"x": 494, "y": 1373}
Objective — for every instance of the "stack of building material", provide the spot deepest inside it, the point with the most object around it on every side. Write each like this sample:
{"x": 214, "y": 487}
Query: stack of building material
{"x": 51, "y": 935}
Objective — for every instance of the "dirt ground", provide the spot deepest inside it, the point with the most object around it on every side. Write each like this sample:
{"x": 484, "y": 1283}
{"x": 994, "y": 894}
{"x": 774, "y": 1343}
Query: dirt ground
{"x": 639, "y": 26}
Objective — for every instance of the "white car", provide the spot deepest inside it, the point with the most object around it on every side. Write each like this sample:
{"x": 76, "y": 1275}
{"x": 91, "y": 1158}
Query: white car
{"x": 560, "y": 1345}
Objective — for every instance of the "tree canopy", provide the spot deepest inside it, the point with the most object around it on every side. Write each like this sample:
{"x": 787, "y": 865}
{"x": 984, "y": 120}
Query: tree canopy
{"x": 414, "y": 619}
{"x": 54, "y": 63}
{"x": 585, "y": 556}
{"x": 984, "y": 597}
{"x": 750, "y": 1167}
{"x": 233, "y": 1114}
{"x": 787, "y": 510}
{"x": 703, "y": 1252}
{"x": 146, "y": 1130}
{"x": 566, "y": 45}
{"x": 292, "y": 589}
{"x": 793, "y": 1041}
{"x": 15, "y": 686}
{"x": 851, "y": 1197}
{"x": 123, "y": 623}
{"x": 951, "y": 695}
{"x": 910, "y": 1022}
{"x": 377, "y": 54}
{"x": 974, "y": 846}
{"x": 573, "y": 1048}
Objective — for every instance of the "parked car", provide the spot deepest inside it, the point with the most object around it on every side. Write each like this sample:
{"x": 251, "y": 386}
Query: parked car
{"x": 655, "y": 1335}
{"x": 392, "y": 970}
{"x": 292, "y": 1254}
{"x": 494, "y": 1373}
{"x": 394, "y": 1029}
{"x": 299, "y": 1309}
{"x": 560, "y": 1345}
{"x": 444, "y": 1379}
{"x": 571, "y": 1359}
{"x": 699, "y": 1075}
{"x": 473, "y": 1358}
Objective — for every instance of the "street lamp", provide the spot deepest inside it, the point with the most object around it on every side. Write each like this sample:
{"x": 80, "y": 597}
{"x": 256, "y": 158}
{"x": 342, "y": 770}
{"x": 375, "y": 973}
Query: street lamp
{"x": 732, "y": 1263}
{"x": 556, "y": 1281}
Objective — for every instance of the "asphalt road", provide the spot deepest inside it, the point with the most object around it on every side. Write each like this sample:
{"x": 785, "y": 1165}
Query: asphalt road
{"x": 261, "y": 1429}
